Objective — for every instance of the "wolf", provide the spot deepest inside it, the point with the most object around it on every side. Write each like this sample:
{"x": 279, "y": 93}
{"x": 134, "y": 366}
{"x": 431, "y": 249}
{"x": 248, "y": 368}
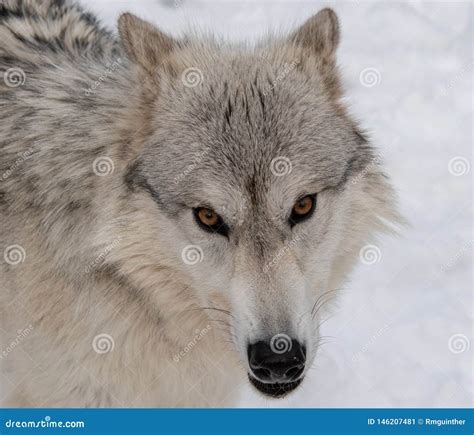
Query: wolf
{"x": 176, "y": 214}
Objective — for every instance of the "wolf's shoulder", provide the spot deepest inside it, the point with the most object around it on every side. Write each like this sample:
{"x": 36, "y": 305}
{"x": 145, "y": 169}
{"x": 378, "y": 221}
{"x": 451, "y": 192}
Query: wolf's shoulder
{"x": 29, "y": 28}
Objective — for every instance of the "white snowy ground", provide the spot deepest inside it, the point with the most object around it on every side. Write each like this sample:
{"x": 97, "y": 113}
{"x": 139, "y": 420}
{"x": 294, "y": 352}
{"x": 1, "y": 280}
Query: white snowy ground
{"x": 403, "y": 329}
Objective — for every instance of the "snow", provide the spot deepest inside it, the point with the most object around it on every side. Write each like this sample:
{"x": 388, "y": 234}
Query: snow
{"x": 396, "y": 327}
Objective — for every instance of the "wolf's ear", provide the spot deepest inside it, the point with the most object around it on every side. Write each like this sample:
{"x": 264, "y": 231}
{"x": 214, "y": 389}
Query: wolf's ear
{"x": 144, "y": 43}
{"x": 320, "y": 34}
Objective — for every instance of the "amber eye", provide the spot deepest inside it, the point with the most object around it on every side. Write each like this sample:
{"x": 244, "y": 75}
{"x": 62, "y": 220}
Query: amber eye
{"x": 210, "y": 221}
{"x": 303, "y": 209}
{"x": 208, "y": 217}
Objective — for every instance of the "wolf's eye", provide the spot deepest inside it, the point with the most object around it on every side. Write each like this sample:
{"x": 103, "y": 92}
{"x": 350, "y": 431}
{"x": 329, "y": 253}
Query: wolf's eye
{"x": 210, "y": 221}
{"x": 303, "y": 209}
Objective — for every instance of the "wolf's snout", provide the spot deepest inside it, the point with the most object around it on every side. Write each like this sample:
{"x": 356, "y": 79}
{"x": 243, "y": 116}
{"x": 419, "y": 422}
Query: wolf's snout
{"x": 271, "y": 363}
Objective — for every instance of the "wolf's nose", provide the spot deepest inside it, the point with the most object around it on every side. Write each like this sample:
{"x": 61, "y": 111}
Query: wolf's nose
{"x": 280, "y": 360}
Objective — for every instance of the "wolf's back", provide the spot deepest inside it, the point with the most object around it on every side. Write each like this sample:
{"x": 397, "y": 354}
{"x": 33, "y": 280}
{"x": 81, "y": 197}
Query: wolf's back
{"x": 33, "y": 29}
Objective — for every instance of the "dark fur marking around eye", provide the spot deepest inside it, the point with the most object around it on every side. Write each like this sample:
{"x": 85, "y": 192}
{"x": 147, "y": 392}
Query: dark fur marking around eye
{"x": 360, "y": 134}
{"x": 134, "y": 179}
{"x": 228, "y": 111}
{"x": 262, "y": 103}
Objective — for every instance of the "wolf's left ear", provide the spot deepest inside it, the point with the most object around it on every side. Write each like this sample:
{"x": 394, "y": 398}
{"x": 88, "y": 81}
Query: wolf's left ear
{"x": 144, "y": 43}
{"x": 320, "y": 34}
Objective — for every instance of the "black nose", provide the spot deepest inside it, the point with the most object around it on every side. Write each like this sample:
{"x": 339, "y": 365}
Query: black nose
{"x": 278, "y": 360}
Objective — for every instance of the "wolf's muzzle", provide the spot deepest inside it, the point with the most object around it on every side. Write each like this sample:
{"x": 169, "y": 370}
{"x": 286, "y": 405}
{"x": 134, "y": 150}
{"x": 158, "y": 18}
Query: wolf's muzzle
{"x": 276, "y": 371}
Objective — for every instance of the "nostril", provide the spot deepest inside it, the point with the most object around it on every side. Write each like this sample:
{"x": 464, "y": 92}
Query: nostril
{"x": 294, "y": 372}
{"x": 262, "y": 373}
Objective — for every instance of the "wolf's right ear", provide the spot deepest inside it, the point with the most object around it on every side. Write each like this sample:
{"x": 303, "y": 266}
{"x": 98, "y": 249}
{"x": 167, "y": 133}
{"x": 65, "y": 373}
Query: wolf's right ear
{"x": 144, "y": 44}
{"x": 320, "y": 34}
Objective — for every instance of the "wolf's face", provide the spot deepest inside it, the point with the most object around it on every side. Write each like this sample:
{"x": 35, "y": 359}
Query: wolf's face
{"x": 251, "y": 166}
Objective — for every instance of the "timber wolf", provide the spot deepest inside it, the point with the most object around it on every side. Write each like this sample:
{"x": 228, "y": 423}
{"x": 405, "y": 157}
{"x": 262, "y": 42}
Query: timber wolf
{"x": 175, "y": 213}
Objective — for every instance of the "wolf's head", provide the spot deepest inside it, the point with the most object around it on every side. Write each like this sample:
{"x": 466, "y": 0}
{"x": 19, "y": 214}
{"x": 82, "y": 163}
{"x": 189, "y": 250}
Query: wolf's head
{"x": 253, "y": 184}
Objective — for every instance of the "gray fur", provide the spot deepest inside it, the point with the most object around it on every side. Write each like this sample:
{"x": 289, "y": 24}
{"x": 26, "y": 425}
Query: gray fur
{"x": 104, "y": 253}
